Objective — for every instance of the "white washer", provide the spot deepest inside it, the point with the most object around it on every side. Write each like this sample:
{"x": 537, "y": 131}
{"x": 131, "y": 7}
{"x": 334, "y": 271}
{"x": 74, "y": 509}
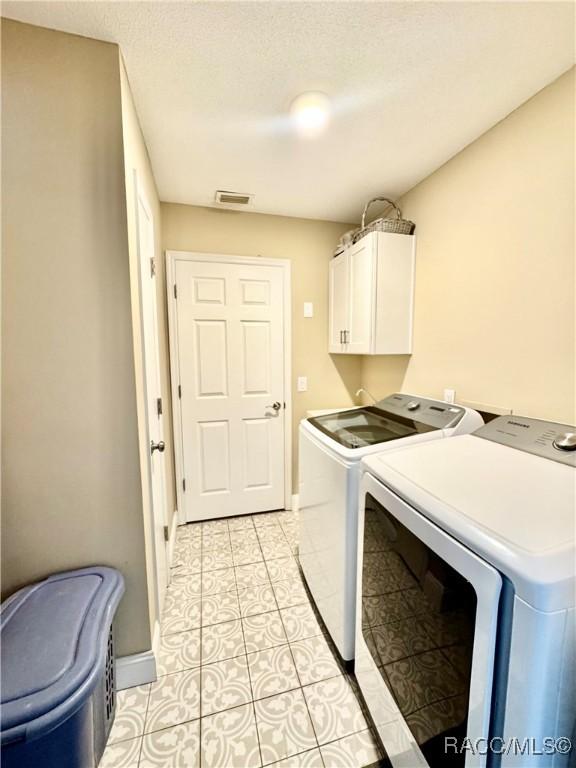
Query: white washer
{"x": 330, "y": 450}
{"x": 466, "y": 597}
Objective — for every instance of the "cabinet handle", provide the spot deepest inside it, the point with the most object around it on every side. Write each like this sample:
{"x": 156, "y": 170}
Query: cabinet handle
{"x": 341, "y": 339}
{"x": 346, "y": 337}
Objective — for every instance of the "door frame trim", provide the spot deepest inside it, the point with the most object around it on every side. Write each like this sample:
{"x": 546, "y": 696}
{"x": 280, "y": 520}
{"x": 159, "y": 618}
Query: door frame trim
{"x": 286, "y": 266}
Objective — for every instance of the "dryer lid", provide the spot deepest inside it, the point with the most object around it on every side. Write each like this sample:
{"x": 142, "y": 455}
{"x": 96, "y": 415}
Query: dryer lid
{"x": 513, "y": 508}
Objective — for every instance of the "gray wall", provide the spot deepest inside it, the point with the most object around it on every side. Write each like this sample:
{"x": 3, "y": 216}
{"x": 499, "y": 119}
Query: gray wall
{"x": 71, "y": 490}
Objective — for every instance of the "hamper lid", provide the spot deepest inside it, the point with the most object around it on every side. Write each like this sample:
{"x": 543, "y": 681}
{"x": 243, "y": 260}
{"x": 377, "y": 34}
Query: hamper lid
{"x": 53, "y": 638}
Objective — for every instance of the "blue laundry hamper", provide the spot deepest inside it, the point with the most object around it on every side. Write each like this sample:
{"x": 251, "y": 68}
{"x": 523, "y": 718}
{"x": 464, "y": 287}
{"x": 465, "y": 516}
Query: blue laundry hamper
{"x": 57, "y": 699}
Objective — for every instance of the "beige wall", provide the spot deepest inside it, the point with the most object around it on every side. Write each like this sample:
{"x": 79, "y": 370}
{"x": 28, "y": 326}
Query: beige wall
{"x": 71, "y": 490}
{"x": 494, "y": 308}
{"x": 332, "y": 380}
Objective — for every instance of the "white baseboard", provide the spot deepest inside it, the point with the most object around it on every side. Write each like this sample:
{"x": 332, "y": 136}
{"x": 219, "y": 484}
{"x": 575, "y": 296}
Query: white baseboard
{"x": 138, "y": 669}
{"x": 295, "y": 501}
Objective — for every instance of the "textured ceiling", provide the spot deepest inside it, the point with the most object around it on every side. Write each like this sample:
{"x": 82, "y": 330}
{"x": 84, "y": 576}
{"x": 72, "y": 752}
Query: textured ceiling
{"x": 412, "y": 83}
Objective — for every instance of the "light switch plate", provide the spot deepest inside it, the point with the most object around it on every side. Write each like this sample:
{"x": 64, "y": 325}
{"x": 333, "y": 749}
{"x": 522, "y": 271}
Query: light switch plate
{"x": 308, "y": 309}
{"x": 449, "y": 395}
{"x": 302, "y": 383}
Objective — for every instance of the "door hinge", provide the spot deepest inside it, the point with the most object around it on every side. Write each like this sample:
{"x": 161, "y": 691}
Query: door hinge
{"x": 175, "y": 291}
{"x": 184, "y": 484}
{"x": 152, "y": 267}
{"x": 166, "y": 533}
{"x": 159, "y": 406}
{"x": 179, "y": 392}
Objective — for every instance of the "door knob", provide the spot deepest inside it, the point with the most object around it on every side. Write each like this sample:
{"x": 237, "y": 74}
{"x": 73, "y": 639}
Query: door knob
{"x": 275, "y": 405}
{"x": 157, "y": 446}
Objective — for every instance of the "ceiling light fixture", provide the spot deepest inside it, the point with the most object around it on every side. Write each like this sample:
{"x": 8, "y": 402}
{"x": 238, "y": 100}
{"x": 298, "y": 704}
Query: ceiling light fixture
{"x": 310, "y": 113}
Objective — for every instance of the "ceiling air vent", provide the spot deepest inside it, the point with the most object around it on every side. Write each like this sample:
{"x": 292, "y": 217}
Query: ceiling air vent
{"x": 233, "y": 199}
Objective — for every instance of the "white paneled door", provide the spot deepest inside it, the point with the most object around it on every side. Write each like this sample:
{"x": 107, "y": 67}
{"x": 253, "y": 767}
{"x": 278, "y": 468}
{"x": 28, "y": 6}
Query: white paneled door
{"x": 231, "y": 376}
{"x": 153, "y": 391}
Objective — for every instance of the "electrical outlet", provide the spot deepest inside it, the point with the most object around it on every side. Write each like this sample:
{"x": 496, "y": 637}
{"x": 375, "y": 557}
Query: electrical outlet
{"x": 302, "y": 383}
{"x": 449, "y": 395}
{"x": 308, "y": 309}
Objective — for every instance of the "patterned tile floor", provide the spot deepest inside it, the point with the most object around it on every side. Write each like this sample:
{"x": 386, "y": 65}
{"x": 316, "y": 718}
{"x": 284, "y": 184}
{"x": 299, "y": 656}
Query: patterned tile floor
{"x": 247, "y": 677}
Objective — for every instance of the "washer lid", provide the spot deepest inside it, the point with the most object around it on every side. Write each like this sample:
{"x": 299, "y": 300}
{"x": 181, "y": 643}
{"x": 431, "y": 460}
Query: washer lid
{"x": 362, "y": 427}
{"x": 396, "y": 417}
{"x": 515, "y": 509}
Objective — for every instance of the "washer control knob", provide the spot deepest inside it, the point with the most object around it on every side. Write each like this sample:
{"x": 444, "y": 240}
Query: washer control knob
{"x": 413, "y": 406}
{"x": 565, "y": 442}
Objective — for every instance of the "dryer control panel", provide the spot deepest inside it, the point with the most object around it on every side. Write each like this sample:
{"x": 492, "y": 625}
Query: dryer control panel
{"x": 546, "y": 439}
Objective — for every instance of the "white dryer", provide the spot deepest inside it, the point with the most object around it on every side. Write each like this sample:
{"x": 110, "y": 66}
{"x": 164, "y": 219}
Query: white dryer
{"x": 331, "y": 447}
{"x": 465, "y": 632}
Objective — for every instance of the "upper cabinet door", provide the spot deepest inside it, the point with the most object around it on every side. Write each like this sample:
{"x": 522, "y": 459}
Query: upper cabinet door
{"x": 395, "y": 294}
{"x": 362, "y": 291}
{"x": 338, "y": 303}
{"x": 372, "y": 296}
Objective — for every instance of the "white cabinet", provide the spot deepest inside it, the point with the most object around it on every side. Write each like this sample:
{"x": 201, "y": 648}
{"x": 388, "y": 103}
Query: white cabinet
{"x": 371, "y": 296}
